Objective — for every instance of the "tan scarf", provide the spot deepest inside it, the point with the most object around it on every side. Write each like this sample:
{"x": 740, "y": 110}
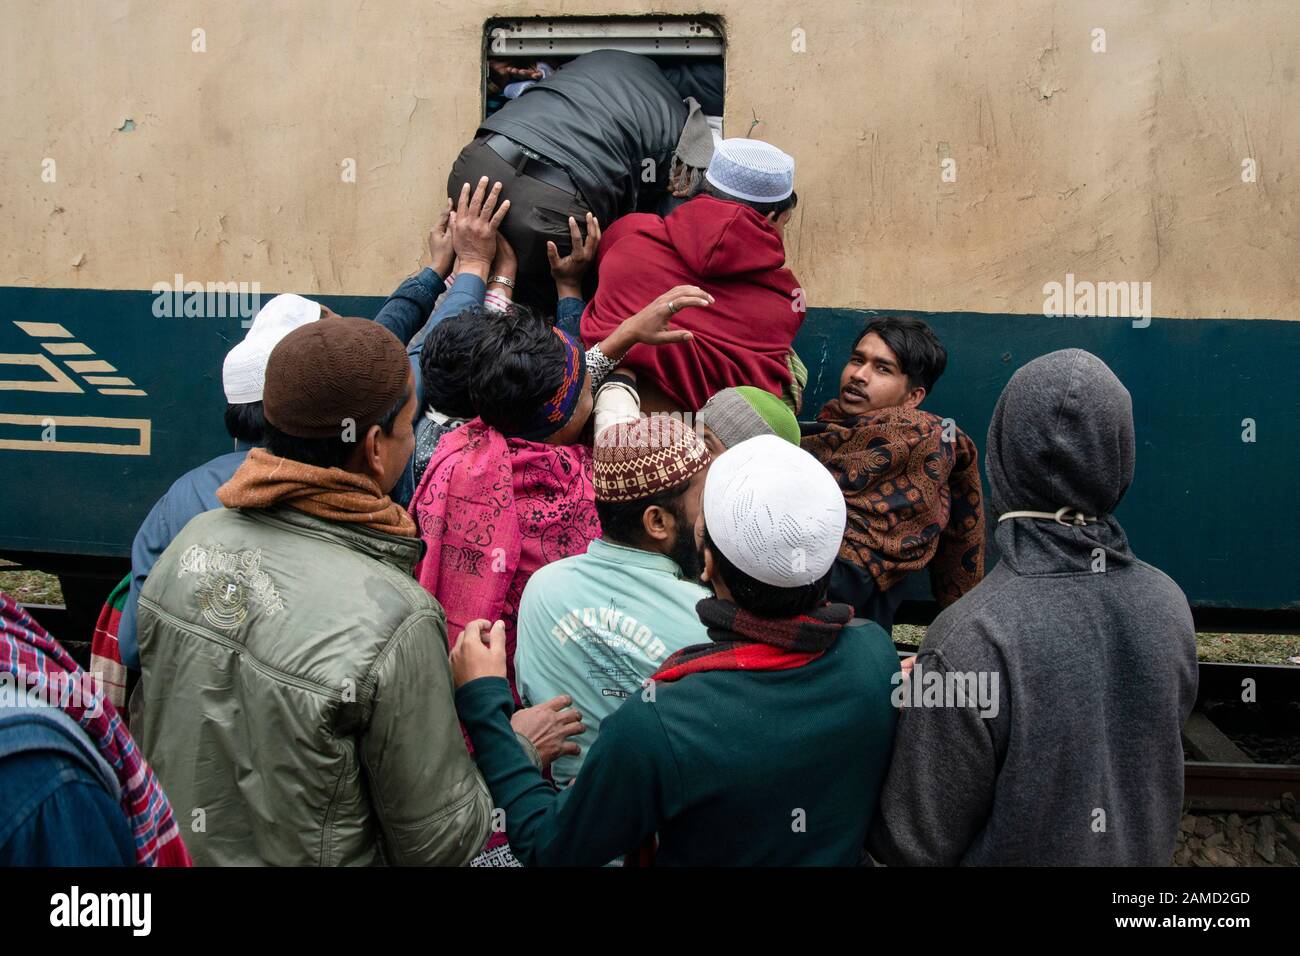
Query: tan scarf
{"x": 264, "y": 480}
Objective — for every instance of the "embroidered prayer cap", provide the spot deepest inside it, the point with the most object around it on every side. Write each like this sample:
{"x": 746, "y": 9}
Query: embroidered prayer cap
{"x": 327, "y": 378}
{"x": 774, "y": 511}
{"x": 751, "y": 170}
{"x": 243, "y": 373}
{"x": 634, "y": 460}
{"x": 736, "y": 414}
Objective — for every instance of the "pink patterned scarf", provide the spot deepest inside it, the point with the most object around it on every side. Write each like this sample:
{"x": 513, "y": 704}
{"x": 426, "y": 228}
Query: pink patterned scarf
{"x": 493, "y": 510}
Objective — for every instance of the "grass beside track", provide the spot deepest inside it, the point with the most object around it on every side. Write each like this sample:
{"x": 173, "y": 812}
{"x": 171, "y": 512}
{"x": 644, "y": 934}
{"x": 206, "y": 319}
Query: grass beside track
{"x": 1212, "y": 648}
{"x": 30, "y": 587}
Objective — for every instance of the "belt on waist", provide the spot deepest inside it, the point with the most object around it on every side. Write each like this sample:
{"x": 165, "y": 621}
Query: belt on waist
{"x": 509, "y": 150}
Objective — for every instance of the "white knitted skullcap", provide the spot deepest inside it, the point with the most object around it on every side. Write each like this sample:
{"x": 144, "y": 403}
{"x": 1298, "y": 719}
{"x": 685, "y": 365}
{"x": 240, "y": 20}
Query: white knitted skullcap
{"x": 751, "y": 170}
{"x": 774, "y": 511}
{"x": 244, "y": 371}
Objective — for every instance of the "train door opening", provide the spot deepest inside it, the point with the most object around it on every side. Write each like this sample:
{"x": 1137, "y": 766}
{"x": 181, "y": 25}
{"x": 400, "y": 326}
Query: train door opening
{"x": 690, "y": 50}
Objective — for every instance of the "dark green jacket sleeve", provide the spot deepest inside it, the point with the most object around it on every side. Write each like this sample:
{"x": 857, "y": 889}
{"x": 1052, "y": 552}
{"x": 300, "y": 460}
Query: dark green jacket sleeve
{"x": 628, "y": 786}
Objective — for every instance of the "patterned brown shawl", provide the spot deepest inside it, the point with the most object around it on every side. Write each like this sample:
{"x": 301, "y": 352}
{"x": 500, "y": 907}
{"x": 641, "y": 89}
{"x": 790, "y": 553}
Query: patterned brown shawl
{"x": 913, "y": 498}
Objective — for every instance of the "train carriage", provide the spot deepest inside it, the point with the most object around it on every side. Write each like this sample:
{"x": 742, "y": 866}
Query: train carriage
{"x": 1117, "y": 177}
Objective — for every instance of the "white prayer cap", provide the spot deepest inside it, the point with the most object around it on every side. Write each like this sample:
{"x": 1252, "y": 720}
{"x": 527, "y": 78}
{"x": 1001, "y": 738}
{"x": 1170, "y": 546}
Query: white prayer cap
{"x": 244, "y": 371}
{"x": 774, "y": 511}
{"x": 751, "y": 170}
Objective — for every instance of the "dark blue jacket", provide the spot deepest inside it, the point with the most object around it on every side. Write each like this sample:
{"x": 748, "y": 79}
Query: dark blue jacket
{"x": 191, "y": 494}
{"x": 59, "y": 799}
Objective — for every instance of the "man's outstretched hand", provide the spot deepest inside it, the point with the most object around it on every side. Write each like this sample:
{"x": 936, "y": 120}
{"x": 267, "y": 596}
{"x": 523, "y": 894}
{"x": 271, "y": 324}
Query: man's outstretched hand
{"x": 569, "y": 270}
{"x": 441, "y": 249}
{"x": 474, "y": 227}
{"x": 549, "y": 726}
{"x": 503, "y": 72}
{"x": 650, "y": 325}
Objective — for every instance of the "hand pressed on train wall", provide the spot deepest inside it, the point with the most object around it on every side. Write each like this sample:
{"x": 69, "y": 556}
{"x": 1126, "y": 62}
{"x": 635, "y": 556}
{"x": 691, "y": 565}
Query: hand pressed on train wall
{"x": 441, "y": 250}
{"x": 569, "y": 270}
{"x": 474, "y": 227}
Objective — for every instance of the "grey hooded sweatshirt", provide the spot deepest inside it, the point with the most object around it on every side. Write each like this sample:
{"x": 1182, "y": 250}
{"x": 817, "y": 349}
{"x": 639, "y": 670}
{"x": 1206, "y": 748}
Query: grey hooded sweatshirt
{"x": 1094, "y": 653}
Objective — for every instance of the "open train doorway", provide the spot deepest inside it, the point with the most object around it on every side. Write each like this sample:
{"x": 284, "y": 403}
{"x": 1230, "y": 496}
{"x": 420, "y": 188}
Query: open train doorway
{"x": 584, "y": 121}
{"x": 690, "y": 50}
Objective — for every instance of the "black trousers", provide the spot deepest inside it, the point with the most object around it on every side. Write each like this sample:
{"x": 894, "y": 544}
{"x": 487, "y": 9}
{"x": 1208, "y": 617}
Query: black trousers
{"x": 539, "y": 211}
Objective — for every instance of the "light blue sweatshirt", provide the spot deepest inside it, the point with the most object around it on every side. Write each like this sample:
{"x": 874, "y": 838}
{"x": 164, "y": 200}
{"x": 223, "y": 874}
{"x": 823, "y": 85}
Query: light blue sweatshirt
{"x": 596, "y": 626}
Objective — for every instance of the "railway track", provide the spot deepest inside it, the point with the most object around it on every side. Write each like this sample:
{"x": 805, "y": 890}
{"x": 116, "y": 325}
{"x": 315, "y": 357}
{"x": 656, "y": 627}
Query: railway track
{"x": 1220, "y": 775}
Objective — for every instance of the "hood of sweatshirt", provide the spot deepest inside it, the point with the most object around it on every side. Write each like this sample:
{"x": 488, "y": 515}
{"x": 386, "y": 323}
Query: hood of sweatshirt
{"x": 716, "y": 238}
{"x": 1061, "y": 436}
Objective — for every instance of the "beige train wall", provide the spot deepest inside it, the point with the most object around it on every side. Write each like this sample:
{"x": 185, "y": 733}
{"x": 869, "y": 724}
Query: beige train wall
{"x": 225, "y": 165}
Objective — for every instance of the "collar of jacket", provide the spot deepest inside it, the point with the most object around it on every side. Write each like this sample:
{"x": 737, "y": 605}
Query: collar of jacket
{"x": 402, "y": 553}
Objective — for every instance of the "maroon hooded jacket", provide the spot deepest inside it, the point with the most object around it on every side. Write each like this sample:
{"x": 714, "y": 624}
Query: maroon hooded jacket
{"x": 735, "y": 255}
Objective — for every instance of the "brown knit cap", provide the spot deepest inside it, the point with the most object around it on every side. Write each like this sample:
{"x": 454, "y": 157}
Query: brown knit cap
{"x": 327, "y": 373}
{"x": 635, "y": 460}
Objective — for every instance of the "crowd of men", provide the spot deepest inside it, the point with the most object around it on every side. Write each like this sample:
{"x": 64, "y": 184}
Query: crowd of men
{"x": 496, "y": 583}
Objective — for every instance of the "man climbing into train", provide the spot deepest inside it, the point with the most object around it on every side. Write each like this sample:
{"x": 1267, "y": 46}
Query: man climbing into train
{"x": 911, "y": 479}
{"x": 605, "y": 134}
{"x": 729, "y": 241}
{"x": 1076, "y": 756}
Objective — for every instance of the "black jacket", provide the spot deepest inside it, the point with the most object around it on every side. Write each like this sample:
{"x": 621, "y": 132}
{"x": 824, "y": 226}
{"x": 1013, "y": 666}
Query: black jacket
{"x": 600, "y": 117}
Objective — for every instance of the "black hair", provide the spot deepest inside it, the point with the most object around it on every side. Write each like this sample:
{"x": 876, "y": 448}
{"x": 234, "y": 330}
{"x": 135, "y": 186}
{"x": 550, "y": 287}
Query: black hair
{"x": 762, "y": 208}
{"x": 444, "y": 363}
{"x": 620, "y": 521}
{"x": 516, "y": 365}
{"x": 331, "y": 452}
{"x": 763, "y": 599}
{"x": 245, "y": 422}
{"x": 921, "y": 356}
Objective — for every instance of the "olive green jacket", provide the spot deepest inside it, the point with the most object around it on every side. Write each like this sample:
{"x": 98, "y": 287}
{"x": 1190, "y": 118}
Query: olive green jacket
{"x": 296, "y": 699}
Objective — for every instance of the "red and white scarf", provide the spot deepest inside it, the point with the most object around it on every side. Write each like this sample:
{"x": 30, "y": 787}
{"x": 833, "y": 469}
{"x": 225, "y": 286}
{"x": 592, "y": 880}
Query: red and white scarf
{"x": 44, "y": 670}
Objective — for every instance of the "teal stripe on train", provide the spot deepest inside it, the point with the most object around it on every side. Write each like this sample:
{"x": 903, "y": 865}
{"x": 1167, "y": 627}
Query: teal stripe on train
{"x": 1215, "y": 512}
